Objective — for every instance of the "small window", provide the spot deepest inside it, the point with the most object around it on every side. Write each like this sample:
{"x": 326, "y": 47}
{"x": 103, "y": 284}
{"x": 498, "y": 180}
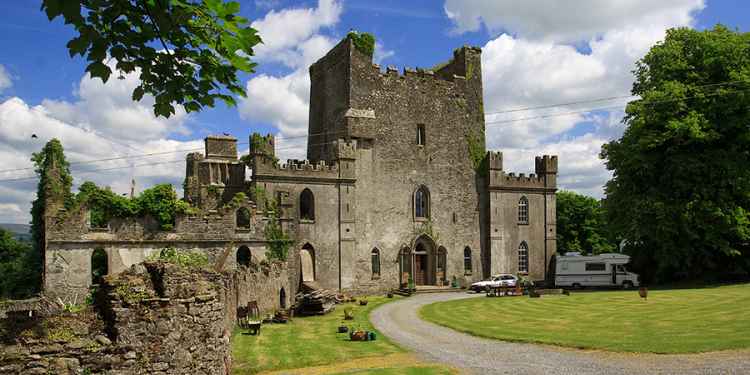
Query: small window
{"x": 422, "y": 203}
{"x": 375, "y": 263}
{"x": 467, "y": 260}
{"x": 523, "y": 211}
{"x": 523, "y": 257}
{"x": 420, "y": 135}
{"x": 307, "y": 205}
{"x": 243, "y": 218}
{"x": 596, "y": 267}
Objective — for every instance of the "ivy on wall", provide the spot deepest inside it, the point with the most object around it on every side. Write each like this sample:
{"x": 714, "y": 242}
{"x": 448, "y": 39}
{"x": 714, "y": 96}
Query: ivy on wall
{"x": 364, "y": 42}
{"x": 477, "y": 152}
{"x": 279, "y": 242}
{"x": 160, "y": 202}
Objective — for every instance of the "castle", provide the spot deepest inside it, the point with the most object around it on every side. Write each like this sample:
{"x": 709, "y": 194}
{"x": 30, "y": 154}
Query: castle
{"x": 397, "y": 189}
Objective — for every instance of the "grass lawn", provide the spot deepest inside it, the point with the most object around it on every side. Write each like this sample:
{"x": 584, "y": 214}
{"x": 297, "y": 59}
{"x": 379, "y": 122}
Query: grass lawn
{"x": 308, "y": 341}
{"x": 670, "y": 321}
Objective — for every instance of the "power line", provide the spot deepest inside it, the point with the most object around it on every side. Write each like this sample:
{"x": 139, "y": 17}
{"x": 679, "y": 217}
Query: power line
{"x": 486, "y": 122}
{"x": 79, "y": 172}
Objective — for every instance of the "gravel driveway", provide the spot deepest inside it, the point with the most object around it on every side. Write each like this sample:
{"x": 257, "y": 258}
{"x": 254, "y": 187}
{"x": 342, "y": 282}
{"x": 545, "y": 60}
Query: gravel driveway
{"x": 399, "y": 321}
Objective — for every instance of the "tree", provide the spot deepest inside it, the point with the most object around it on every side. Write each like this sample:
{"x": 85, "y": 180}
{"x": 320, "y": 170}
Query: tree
{"x": 680, "y": 191}
{"x": 581, "y": 225}
{"x": 187, "y": 52}
{"x": 16, "y": 265}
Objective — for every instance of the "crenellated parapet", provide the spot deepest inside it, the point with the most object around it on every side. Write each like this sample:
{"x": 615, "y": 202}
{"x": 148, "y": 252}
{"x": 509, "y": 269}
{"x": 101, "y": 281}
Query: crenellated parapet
{"x": 543, "y": 179}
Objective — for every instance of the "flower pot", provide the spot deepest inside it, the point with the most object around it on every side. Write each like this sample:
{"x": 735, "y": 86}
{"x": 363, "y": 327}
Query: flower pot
{"x": 643, "y": 292}
{"x": 343, "y": 329}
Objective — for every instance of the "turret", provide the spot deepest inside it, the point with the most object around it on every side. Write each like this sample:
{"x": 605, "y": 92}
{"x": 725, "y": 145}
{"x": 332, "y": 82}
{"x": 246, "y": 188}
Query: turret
{"x": 546, "y": 167}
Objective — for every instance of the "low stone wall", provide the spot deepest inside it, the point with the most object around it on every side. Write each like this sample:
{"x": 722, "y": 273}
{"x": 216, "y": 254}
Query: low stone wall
{"x": 155, "y": 318}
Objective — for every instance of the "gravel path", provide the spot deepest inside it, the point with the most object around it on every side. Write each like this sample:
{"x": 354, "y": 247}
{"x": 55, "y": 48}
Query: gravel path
{"x": 399, "y": 321}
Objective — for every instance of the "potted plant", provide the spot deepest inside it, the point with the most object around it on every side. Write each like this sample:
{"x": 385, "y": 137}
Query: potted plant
{"x": 348, "y": 313}
{"x": 412, "y": 286}
{"x": 363, "y": 302}
{"x": 643, "y": 292}
{"x": 526, "y": 283}
{"x": 454, "y": 282}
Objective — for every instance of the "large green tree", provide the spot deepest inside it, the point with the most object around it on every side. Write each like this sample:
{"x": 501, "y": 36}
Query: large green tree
{"x": 581, "y": 225}
{"x": 187, "y": 52}
{"x": 680, "y": 192}
{"x": 17, "y": 261}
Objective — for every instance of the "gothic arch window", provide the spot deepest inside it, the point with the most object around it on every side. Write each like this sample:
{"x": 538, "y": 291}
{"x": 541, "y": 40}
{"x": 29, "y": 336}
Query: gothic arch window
{"x": 243, "y": 218}
{"x": 244, "y": 256}
{"x": 375, "y": 258}
{"x": 307, "y": 205}
{"x": 523, "y": 257}
{"x": 99, "y": 265}
{"x": 467, "y": 260}
{"x": 422, "y": 203}
{"x": 523, "y": 211}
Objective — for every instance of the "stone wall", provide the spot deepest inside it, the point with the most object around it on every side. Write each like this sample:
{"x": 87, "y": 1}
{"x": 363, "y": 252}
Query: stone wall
{"x": 155, "y": 318}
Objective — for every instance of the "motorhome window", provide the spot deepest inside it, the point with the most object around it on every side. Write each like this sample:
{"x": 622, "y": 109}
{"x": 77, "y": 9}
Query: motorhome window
{"x": 596, "y": 267}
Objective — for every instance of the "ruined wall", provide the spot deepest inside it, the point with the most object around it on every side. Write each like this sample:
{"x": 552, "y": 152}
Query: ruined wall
{"x": 155, "y": 318}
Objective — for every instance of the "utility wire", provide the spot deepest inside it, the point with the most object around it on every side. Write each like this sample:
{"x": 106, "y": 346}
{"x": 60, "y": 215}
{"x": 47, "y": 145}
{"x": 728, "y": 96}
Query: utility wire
{"x": 486, "y": 122}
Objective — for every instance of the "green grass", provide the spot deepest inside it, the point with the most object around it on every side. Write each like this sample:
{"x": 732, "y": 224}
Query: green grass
{"x": 413, "y": 370}
{"x": 670, "y": 321}
{"x": 308, "y": 341}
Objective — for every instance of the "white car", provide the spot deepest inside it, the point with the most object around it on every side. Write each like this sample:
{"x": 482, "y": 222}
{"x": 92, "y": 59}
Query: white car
{"x": 503, "y": 279}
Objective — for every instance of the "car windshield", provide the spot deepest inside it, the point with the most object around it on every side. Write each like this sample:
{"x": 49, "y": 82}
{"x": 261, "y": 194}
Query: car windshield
{"x": 507, "y": 277}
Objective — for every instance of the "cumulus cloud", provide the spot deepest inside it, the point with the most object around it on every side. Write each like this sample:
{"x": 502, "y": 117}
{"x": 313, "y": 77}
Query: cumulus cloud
{"x": 289, "y": 35}
{"x": 567, "y": 21}
{"x": 534, "y": 62}
{"x": 5, "y": 81}
{"x": 102, "y": 123}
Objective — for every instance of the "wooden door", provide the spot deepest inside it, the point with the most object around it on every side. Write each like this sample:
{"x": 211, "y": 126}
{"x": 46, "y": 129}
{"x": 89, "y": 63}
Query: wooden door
{"x": 420, "y": 269}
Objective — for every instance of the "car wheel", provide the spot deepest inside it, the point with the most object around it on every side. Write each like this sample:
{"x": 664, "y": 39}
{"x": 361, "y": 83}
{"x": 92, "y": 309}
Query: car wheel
{"x": 576, "y": 286}
{"x": 627, "y": 284}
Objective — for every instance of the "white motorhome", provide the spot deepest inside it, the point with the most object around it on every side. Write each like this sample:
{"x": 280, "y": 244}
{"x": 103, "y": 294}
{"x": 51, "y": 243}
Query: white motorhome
{"x": 575, "y": 270}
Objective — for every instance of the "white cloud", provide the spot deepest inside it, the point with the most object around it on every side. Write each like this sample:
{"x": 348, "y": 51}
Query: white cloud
{"x": 103, "y": 123}
{"x": 567, "y": 20}
{"x": 531, "y": 65}
{"x": 5, "y": 80}
{"x": 381, "y": 53}
{"x": 289, "y": 35}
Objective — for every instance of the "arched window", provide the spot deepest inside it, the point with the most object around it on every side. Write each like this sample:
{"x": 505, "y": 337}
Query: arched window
{"x": 243, "y": 218}
{"x": 467, "y": 260}
{"x": 375, "y": 255}
{"x": 244, "y": 256}
{"x": 523, "y": 257}
{"x": 306, "y": 205}
{"x": 99, "y": 266}
{"x": 523, "y": 211}
{"x": 422, "y": 203}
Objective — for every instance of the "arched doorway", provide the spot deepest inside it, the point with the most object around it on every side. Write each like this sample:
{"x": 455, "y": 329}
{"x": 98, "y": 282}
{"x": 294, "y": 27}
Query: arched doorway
{"x": 307, "y": 263}
{"x": 244, "y": 256}
{"x": 424, "y": 261}
{"x": 99, "y": 265}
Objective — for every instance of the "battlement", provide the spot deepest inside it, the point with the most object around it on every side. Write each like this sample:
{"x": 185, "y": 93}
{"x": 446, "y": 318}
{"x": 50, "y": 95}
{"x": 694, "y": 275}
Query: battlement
{"x": 546, "y": 164}
{"x": 305, "y": 165}
{"x": 495, "y": 159}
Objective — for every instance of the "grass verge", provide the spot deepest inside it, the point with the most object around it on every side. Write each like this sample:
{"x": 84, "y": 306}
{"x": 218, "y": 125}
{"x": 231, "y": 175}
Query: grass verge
{"x": 308, "y": 341}
{"x": 670, "y": 321}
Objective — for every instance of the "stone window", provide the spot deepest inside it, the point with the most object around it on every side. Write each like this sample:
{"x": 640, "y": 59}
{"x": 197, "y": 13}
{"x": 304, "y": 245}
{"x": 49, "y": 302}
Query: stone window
{"x": 307, "y": 205}
{"x": 244, "y": 256}
{"x": 421, "y": 135}
{"x": 282, "y": 298}
{"x": 467, "y": 260}
{"x": 243, "y": 218}
{"x": 422, "y": 203}
{"x": 523, "y": 211}
{"x": 99, "y": 265}
{"x": 523, "y": 257}
{"x": 375, "y": 255}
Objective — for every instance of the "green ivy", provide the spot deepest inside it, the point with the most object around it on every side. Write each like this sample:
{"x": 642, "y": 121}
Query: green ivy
{"x": 279, "y": 242}
{"x": 364, "y": 42}
{"x": 160, "y": 202}
{"x": 185, "y": 258}
{"x": 477, "y": 152}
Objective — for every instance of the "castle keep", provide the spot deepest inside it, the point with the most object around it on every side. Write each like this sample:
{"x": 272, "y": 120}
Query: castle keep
{"x": 396, "y": 188}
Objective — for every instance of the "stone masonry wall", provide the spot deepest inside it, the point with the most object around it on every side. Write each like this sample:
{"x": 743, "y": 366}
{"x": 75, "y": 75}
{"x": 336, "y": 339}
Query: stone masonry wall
{"x": 155, "y": 318}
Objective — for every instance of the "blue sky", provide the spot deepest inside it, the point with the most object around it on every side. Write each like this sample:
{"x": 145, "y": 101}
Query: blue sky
{"x": 535, "y": 52}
